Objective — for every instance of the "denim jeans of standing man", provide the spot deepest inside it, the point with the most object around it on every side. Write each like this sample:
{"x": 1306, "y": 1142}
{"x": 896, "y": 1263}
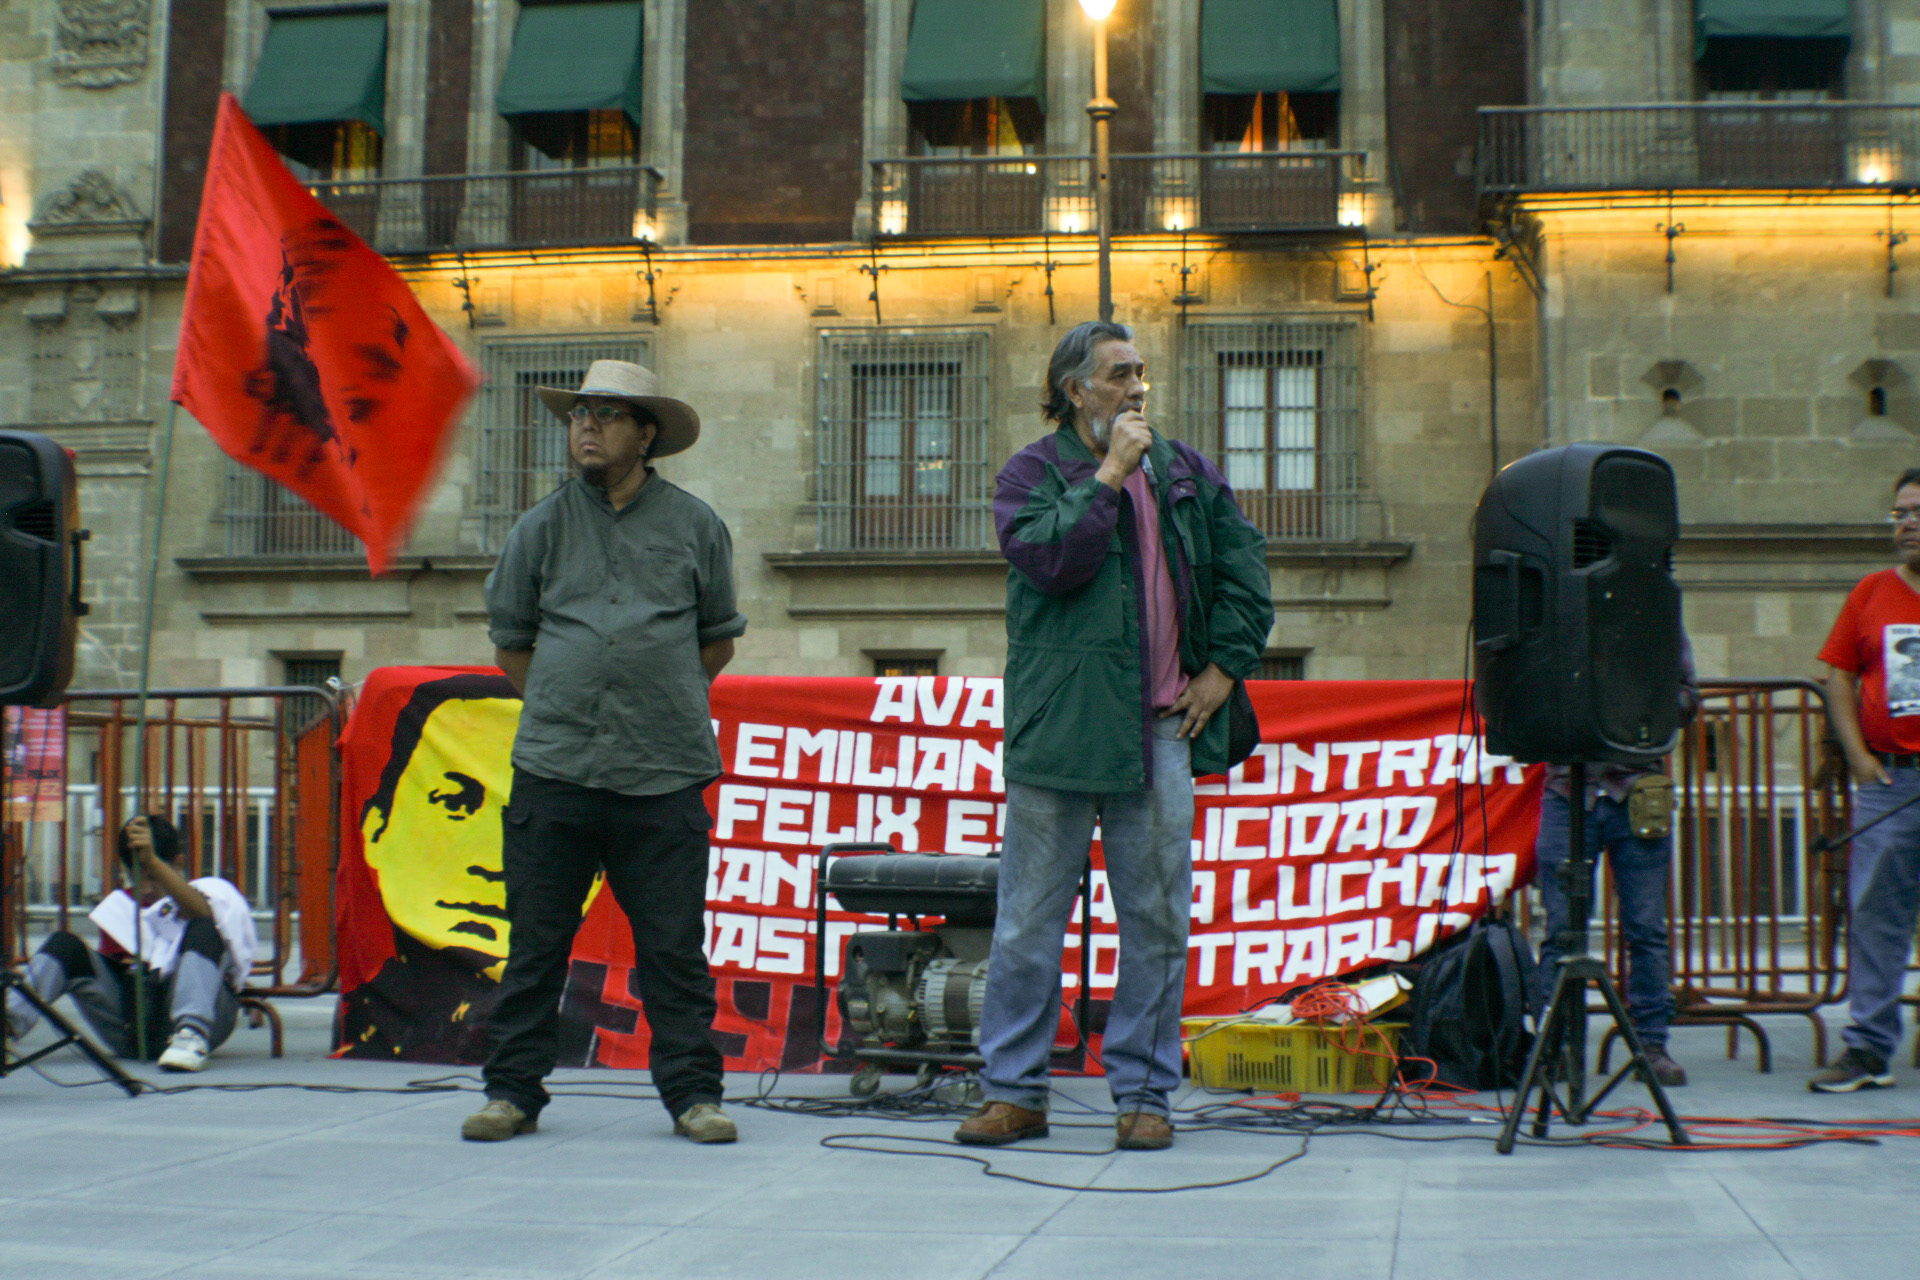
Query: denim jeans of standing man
{"x": 1641, "y": 870}
{"x": 1147, "y": 836}
{"x": 1883, "y": 878}
{"x": 654, "y": 852}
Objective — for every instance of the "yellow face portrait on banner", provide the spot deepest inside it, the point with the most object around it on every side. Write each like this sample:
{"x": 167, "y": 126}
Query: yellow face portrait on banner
{"x": 432, "y": 835}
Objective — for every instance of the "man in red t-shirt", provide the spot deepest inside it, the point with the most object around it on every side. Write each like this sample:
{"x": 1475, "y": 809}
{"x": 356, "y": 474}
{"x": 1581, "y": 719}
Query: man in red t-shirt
{"x": 1873, "y": 693}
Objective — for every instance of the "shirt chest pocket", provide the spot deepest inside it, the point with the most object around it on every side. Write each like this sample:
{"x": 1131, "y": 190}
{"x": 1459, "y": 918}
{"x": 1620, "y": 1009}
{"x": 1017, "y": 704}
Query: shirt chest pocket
{"x": 654, "y": 577}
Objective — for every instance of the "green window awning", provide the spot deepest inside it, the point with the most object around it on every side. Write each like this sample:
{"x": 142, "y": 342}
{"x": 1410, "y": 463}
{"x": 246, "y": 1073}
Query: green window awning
{"x": 959, "y": 49}
{"x": 1270, "y": 46}
{"x": 574, "y": 57}
{"x": 316, "y": 67}
{"x": 1785, "y": 19}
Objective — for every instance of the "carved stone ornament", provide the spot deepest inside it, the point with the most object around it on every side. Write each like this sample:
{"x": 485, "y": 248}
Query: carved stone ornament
{"x": 89, "y": 201}
{"x": 101, "y": 43}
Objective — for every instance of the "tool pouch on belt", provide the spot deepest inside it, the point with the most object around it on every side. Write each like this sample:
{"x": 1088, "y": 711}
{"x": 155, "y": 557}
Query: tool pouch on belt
{"x": 1650, "y": 806}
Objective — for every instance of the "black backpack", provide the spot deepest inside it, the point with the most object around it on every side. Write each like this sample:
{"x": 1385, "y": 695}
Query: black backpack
{"x": 1468, "y": 1010}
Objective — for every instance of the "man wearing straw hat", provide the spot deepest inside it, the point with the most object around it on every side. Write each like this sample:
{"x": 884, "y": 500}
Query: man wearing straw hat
{"x": 611, "y": 610}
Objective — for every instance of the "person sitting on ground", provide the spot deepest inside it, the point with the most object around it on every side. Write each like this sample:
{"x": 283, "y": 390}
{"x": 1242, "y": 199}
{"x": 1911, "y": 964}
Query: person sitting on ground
{"x": 196, "y": 938}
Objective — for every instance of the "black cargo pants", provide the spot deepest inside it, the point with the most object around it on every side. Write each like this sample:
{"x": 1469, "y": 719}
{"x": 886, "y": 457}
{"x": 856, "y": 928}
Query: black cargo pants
{"x": 654, "y": 852}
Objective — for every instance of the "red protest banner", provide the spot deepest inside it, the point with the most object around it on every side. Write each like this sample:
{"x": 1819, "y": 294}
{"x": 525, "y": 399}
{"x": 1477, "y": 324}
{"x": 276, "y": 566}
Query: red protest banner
{"x": 35, "y": 746}
{"x": 1367, "y": 825}
{"x": 305, "y": 355}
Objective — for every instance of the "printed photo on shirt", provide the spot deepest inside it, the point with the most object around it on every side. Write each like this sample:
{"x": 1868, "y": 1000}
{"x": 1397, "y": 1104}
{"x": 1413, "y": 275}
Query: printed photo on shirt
{"x": 1902, "y": 659}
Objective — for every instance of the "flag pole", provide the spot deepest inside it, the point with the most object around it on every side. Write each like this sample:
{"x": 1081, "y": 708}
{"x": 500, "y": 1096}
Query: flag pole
{"x": 157, "y": 527}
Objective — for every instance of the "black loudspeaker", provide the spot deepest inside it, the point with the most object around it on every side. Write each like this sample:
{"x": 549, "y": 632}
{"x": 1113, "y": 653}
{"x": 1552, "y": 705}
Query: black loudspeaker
{"x": 39, "y": 569}
{"x": 1576, "y": 617}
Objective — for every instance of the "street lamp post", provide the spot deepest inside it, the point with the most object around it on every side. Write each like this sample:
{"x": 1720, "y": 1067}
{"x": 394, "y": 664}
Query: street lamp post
{"x": 1102, "y": 109}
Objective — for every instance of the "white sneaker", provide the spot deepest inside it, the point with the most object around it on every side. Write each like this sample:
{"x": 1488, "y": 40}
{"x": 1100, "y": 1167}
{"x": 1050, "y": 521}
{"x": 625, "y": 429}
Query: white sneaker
{"x": 187, "y": 1051}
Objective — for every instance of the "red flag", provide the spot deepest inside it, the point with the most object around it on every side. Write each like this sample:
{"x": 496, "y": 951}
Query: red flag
{"x": 305, "y": 354}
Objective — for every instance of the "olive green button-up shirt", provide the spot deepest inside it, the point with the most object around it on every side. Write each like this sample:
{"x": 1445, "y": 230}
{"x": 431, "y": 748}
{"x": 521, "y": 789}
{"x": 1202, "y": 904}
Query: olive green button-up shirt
{"x": 616, "y": 606}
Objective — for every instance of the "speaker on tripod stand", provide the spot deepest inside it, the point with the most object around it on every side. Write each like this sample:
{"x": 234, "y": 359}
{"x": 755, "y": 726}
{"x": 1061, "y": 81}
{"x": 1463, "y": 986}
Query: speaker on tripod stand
{"x": 40, "y": 569}
{"x": 1576, "y": 656}
{"x": 40, "y": 608}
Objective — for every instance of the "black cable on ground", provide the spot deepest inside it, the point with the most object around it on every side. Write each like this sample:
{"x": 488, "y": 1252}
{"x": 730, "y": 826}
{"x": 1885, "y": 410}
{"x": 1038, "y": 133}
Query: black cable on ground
{"x": 851, "y": 1142}
{"x": 1388, "y": 1116}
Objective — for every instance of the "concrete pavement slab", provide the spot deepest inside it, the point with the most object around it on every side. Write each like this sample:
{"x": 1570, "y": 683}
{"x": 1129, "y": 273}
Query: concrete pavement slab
{"x": 1844, "y": 1256}
{"x": 1191, "y": 1253}
{"x": 1701, "y": 1258}
{"x": 273, "y": 1184}
{"x": 452, "y": 1249}
{"x": 39, "y": 1262}
{"x": 746, "y": 1251}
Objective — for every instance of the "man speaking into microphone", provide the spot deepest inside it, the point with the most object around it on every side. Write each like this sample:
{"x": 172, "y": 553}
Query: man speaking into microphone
{"x": 1137, "y": 594}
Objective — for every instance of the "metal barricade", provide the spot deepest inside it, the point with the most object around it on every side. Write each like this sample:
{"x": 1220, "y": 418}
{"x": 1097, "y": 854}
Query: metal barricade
{"x": 254, "y": 790}
{"x": 1756, "y": 916}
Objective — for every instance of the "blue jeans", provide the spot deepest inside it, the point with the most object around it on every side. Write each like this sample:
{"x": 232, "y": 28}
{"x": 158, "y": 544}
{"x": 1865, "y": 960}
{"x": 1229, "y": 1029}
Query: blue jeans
{"x": 1883, "y": 879}
{"x": 1641, "y": 872}
{"x": 1147, "y": 836}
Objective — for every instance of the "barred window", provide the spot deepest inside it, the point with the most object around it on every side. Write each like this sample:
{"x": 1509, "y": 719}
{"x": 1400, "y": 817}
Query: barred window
{"x": 905, "y": 666}
{"x": 903, "y": 441}
{"x": 1277, "y": 404}
{"x": 1281, "y": 666}
{"x": 523, "y": 447}
{"x": 264, "y": 519}
{"x": 304, "y": 709}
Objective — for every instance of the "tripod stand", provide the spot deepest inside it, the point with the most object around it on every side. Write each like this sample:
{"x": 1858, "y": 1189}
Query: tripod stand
{"x": 1560, "y": 1048}
{"x": 11, "y": 981}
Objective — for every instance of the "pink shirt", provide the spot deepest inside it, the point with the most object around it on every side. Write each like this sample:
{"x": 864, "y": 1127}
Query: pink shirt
{"x": 1165, "y": 681}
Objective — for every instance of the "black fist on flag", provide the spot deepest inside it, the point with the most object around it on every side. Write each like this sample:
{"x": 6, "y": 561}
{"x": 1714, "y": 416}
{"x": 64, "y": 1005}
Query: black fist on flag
{"x": 304, "y": 353}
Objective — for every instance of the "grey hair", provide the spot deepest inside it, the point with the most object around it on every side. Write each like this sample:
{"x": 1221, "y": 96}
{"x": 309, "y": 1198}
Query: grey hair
{"x": 1073, "y": 361}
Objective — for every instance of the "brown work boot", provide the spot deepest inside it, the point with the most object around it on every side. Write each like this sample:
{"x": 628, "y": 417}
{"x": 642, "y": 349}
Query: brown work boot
{"x": 705, "y": 1122}
{"x": 496, "y": 1122}
{"x": 1142, "y": 1131}
{"x": 998, "y": 1123}
{"x": 1669, "y": 1073}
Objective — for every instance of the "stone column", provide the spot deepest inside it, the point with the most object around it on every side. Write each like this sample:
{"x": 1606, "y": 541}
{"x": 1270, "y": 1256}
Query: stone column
{"x": 883, "y": 128}
{"x": 1176, "y": 76}
{"x": 663, "y": 118}
{"x": 401, "y": 222}
{"x": 1363, "y": 102}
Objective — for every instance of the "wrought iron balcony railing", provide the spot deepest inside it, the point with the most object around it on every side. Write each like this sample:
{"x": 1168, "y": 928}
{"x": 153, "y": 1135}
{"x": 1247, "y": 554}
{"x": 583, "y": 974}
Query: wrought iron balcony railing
{"x": 549, "y": 208}
{"x": 1238, "y": 191}
{"x": 1699, "y": 146}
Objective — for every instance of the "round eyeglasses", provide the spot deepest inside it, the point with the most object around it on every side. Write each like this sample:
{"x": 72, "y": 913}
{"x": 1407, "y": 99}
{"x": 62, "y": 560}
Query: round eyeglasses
{"x": 601, "y": 413}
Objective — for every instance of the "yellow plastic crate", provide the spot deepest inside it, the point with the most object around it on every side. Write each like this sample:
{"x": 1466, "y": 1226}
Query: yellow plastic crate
{"x": 1227, "y": 1054}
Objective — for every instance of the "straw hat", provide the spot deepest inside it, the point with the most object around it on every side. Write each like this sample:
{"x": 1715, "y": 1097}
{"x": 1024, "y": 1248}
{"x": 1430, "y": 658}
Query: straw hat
{"x": 636, "y": 384}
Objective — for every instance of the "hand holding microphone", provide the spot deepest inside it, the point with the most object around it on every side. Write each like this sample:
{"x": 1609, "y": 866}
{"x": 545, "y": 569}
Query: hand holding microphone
{"x": 1126, "y": 448}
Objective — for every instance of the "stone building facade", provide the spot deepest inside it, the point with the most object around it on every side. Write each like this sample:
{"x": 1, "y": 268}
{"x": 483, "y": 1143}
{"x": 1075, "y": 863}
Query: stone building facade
{"x": 1717, "y": 220}
{"x": 1338, "y": 288}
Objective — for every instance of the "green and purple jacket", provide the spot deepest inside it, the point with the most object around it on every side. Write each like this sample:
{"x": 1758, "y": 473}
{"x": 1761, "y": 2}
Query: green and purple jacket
{"x": 1077, "y": 717}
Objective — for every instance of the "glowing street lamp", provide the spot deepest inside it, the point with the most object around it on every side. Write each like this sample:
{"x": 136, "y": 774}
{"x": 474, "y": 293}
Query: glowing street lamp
{"x": 1875, "y": 168}
{"x": 1102, "y": 109}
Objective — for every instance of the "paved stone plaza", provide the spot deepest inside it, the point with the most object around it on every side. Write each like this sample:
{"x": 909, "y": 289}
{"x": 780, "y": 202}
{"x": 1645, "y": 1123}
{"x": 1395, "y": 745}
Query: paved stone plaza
{"x": 282, "y": 1183}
